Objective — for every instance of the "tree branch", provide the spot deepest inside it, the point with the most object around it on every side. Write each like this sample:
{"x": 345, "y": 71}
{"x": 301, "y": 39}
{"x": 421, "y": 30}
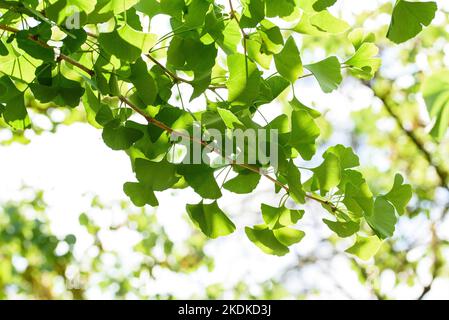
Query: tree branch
{"x": 441, "y": 172}
{"x": 168, "y": 129}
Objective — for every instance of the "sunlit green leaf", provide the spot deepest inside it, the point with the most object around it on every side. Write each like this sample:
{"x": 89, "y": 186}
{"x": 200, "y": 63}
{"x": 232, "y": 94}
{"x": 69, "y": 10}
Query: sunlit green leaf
{"x": 408, "y": 19}
{"x": 212, "y": 221}
{"x": 365, "y": 247}
{"x": 327, "y": 72}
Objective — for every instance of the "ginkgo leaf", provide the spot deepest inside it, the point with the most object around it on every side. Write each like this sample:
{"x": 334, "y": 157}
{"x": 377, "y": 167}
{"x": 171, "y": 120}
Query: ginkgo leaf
{"x": 121, "y": 137}
{"x": 230, "y": 119}
{"x": 365, "y": 63}
{"x": 126, "y": 43}
{"x": 288, "y": 236}
{"x": 348, "y": 159}
{"x": 244, "y": 79}
{"x": 343, "y": 229}
{"x": 321, "y": 23}
{"x": 3, "y": 50}
{"x": 358, "y": 197}
{"x": 276, "y": 218}
{"x": 408, "y": 19}
{"x": 293, "y": 177}
{"x": 400, "y": 194}
{"x": 271, "y": 37}
{"x": 253, "y": 12}
{"x": 265, "y": 239}
{"x": 328, "y": 73}
{"x": 288, "y": 61}
{"x": 15, "y": 113}
{"x": 144, "y": 83}
{"x": 62, "y": 91}
{"x": 275, "y": 242}
{"x": 279, "y": 8}
{"x": 359, "y": 36}
{"x": 157, "y": 175}
{"x": 383, "y": 219}
{"x": 365, "y": 247}
{"x": 328, "y": 174}
{"x": 140, "y": 194}
{"x": 201, "y": 178}
{"x": 243, "y": 183}
{"x": 211, "y": 220}
{"x": 226, "y": 34}
{"x": 321, "y": 5}
{"x": 304, "y": 134}
{"x": 255, "y": 52}
{"x": 73, "y": 42}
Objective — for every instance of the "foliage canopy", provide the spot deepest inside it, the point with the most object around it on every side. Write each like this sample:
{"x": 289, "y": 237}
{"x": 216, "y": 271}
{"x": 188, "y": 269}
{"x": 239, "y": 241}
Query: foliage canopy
{"x": 104, "y": 57}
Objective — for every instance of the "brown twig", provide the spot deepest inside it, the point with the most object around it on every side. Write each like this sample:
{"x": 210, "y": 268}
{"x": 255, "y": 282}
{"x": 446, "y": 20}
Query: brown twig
{"x": 171, "y": 130}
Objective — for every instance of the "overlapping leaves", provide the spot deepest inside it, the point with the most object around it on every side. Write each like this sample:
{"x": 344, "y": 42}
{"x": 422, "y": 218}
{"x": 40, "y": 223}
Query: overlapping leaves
{"x": 211, "y": 50}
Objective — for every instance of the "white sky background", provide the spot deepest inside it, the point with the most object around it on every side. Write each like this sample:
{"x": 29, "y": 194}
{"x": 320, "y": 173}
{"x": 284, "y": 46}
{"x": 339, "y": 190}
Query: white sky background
{"x": 75, "y": 162}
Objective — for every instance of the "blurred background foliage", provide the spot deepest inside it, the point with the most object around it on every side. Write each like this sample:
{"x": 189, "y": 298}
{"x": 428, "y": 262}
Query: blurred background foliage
{"x": 390, "y": 130}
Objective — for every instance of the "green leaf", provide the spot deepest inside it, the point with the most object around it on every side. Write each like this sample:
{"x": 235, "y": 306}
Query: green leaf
{"x": 409, "y": 18}
{"x": 348, "y": 159}
{"x": 293, "y": 177}
{"x": 253, "y": 12}
{"x": 245, "y": 182}
{"x": 321, "y": 5}
{"x": 144, "y": 83}
{"x": 59, "y": 90}
{"x": 288, "y": 236}
{"x": 140, "y": 194}
{"x": 201, "y": 178}
{"x": 271, "y": 36}
{"x": 343, "y": 229}
{"x": 73, "y": 42}
{"x": 400, "y": 194}
{"x": 127, "y": 43}
{"x": 255, "y": 52}
{"x": 326, "y": 22}
{"x": 3, "y": 50}
{"x": 264, "y": 238}
{"x": 327, "y": 72}
{"x": 358, "y": 37}
{"x": 304, "y": 134}
{"x": 364, "y": 63}
{"x": 328, "y": 174}
{"x": 196, "y": 13}
{"x": 152, "y": 7}
{"x": 435, "y": 90}
{"x": 277, "y": 218}
{"x": 40, "y": 33}
{"x": 298, "y": 106}
{"x": 274, "y": 242}
{"x": 14, "y": 112}
{"x": 358, "y": 197}
{"x": 159, "y": 176}
{"x": 211, "y": 220}
{"x": 288, "y": 61}
{"x": 227, "y": 34}
{"x": 365, "y": 248}
{"x": 231, "y": 120}
{"x": 383, "y": 219}
{"x": 244, "y": 80}
{"x": 319, "y": 23}
{"x": 121, "y": 137}
{"x": 279, "y": 8}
